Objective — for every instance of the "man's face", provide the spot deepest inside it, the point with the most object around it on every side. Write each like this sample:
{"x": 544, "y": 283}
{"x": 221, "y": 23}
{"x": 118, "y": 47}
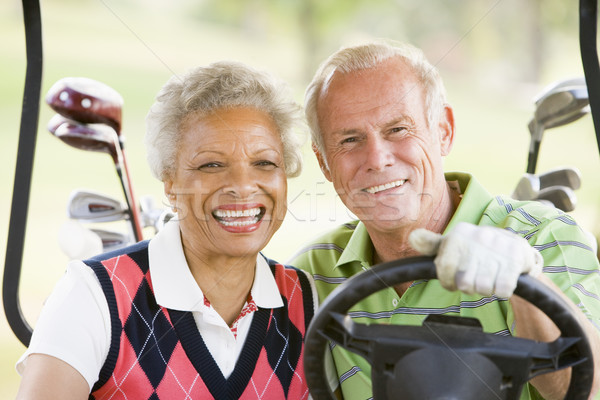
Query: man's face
{"x": 384, "y": 160}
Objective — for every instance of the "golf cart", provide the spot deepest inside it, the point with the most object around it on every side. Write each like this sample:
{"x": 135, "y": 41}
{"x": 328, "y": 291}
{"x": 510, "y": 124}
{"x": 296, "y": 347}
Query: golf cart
{"x": 331, "y": 323}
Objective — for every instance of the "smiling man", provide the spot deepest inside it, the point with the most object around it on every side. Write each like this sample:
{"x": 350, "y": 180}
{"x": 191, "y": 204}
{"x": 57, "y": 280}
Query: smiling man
{"x": 381, "y": 128}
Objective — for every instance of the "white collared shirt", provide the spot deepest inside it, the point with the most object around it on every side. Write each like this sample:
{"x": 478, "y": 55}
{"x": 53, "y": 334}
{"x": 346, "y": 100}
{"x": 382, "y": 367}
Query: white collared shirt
{"x": 74, "y": 325}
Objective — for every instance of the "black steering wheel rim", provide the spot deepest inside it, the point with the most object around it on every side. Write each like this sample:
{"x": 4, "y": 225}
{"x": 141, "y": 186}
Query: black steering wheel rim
{"x": 395, "y": 272}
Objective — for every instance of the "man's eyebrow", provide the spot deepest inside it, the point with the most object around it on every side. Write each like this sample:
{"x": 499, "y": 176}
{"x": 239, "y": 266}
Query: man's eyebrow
{"x": 345, "y": 132}
{"x": 400, "y": 120}
{"x": 353, "y": 131}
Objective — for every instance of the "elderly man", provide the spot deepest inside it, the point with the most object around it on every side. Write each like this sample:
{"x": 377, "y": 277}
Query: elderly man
{"x": 381, "y": 128}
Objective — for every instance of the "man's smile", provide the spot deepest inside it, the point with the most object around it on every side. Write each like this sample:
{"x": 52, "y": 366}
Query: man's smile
{"x": 385, "y": 186}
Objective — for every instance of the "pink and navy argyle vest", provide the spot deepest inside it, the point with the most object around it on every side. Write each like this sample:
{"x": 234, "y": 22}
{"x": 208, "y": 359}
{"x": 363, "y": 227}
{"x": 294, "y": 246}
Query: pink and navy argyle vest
{"x": 157, "y": 353}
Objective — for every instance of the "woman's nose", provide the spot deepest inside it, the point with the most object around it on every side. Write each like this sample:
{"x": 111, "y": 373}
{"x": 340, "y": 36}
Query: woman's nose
{"x": 242, "y": 182}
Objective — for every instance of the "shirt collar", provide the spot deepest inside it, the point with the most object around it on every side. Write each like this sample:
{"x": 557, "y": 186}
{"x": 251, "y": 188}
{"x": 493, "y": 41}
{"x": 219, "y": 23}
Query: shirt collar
{"x": 359, "y": 248}
{"x": 174, "y": 285}
{"x": 474, "y": 201}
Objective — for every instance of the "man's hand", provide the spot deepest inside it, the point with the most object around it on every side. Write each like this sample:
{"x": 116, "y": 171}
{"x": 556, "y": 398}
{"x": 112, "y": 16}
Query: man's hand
{"x": 478, "y": 259}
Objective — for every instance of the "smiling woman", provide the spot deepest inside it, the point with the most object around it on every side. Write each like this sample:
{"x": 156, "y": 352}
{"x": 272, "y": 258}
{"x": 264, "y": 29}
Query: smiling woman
{"x": 229, "y": 185}
{"x": 197, "y": 311}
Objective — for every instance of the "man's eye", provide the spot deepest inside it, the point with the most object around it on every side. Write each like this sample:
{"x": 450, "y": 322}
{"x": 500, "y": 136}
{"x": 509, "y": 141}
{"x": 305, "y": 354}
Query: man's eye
{"x": 349, "y": 140}
{"x": 397, "y": 129}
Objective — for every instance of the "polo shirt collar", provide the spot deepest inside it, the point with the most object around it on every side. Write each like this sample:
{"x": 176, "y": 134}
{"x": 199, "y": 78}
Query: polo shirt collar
{"x": 174, "y": 285}
{"x": 473, "y": 204}
{"x": 359, "y": 248}
{"x": 475, "y": 199}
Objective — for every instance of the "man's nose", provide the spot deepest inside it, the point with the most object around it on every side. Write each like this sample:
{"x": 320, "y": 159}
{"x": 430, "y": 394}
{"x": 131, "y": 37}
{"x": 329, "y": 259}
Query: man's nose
{"x": 378, "y": 154}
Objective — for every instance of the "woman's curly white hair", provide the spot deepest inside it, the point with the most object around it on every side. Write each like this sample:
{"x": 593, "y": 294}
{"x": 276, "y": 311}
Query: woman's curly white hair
{"x": 220, "y": 85}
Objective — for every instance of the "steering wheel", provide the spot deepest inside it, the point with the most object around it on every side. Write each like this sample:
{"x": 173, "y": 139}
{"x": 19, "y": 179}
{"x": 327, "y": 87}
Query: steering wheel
{"x": 427, "y": 362}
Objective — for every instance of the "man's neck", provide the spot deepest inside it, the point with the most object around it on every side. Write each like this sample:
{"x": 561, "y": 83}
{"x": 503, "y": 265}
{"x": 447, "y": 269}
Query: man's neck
{"x": 393, "y": 245}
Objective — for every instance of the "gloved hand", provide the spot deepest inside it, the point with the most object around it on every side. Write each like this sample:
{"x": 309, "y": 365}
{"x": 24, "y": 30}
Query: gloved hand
{"x": 478, "y": 259}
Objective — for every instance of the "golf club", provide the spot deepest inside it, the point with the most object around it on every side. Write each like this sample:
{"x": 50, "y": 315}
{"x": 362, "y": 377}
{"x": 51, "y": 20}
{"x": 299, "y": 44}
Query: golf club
{"x": 90, "y": 101}
{"x": 86, "y": 100}
{"x": 95, "y": 207}
{"x": 564, "y": 176}
{"x": 153, "y": 216}
{"x": 557, "y": 105}
{"x": 529, "y": 185}
{"x": 102, "y": 138}
{"x": 112, "y": 240}
{"x": 562, "y": 197}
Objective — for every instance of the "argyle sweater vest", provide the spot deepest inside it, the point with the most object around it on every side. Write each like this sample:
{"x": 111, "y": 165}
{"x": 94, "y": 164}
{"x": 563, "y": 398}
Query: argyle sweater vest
{"x": 157, "y": 353}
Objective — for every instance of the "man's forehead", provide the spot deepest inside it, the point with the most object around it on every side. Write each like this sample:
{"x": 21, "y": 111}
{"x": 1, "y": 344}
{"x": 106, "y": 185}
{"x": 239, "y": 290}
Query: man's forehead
{"x": 393, "y": 72}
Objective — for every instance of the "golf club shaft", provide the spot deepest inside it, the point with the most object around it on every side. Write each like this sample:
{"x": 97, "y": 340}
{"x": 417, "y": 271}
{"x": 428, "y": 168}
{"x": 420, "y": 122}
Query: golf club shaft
{"x": 123, "y": 173}
{"x": 533, "y": 156}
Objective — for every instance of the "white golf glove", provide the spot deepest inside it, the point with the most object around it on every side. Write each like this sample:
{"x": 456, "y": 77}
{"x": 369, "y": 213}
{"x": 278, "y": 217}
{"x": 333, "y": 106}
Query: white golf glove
{"x": 478, "y": 259}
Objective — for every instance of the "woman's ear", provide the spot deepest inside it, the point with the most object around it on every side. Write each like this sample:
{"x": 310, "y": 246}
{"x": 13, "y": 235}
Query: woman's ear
{"x": 446, "y": 129}
{"x": 171, "y": 197}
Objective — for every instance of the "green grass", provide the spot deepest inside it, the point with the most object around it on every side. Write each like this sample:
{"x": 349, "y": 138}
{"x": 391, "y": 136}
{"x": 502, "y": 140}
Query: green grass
{"x": 136, "y": 53}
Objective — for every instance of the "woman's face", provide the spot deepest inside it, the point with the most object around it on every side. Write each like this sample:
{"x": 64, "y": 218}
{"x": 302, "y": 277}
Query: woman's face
{"x": 229, "y": 184}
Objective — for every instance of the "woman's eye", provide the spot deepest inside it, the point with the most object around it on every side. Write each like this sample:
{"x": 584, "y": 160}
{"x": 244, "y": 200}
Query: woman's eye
{"x": 209, "y": 165}
{"x": 266, "y": 163}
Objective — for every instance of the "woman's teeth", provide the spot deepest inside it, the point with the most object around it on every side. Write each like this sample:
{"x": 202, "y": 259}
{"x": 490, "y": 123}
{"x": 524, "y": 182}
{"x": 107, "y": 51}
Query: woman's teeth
{"x": 228, "y": 217}
{"x": 251, "y": 212}
{"x": 375, "y": 189}
{"x": 239, "y": 223}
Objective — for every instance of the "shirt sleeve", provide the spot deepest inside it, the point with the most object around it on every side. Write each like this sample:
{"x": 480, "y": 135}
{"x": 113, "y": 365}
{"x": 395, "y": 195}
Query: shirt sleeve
{"x": 571, "y": 263}
{"x": 74, "y": 324}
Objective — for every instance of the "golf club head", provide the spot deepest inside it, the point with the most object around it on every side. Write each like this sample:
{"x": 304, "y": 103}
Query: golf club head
{"x": 563, "y": 176}
{"x": 86, "y": 100}
{"x": 112, "y": 240}
{"x": 558, "y": 104}
{"x": 562, "y": 197}
{"x": 92, "y": 206}
{"x": 559, "y": 85}
{"x": 56, "y": 121}
{"x": 562, "y": 103}
{"x": 527, "y": 188}
{"x": 89, "y": 137}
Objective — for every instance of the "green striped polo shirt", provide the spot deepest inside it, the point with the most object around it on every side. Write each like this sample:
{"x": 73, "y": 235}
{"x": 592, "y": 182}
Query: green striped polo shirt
{"x": 568, "y": 260}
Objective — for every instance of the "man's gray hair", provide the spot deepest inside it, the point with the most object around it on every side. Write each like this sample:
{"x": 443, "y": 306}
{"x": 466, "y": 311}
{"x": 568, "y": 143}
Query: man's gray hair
{"x": 221, "y": 85}
{"x": 370, "y": 55}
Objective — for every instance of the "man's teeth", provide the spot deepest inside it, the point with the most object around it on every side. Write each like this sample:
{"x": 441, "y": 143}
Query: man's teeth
{"x": 375, "y": 189}
{"x": 251, "y": 212}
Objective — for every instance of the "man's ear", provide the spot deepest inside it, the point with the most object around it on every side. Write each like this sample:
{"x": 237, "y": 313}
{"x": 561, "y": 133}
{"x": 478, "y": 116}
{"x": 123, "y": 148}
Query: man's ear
{"x": 322, "y": 162}
{"x": 446, "y": 129}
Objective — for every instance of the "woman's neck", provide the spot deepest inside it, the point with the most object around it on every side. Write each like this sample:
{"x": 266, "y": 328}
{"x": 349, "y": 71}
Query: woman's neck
{"x": 225, "y": 281}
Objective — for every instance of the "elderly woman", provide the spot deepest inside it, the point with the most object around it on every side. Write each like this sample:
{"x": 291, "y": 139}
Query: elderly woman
{"x": 197, "y": 312}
